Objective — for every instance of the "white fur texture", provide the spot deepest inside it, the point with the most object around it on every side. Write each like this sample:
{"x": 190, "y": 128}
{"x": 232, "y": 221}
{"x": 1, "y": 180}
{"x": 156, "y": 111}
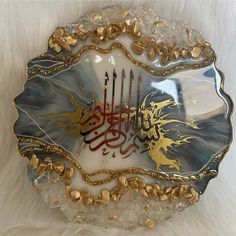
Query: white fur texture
{"x": 24, "y": 30}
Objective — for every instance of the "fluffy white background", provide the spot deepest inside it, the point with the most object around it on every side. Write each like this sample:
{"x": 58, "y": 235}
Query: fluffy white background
{"x": 24, "y": 30}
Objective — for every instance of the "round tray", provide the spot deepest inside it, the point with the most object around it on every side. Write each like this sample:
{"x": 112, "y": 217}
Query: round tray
{"x": 121, "y": 116}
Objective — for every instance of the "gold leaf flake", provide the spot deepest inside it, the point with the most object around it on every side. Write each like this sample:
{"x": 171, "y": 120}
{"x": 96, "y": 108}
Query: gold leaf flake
{"x": 41, "y": 168}
{"x": 150, "y": 223}
{"x": 184, "y": 53}
{"x": 137, "y": 48}
{"x": 151, "y": 54}
{"x": 123, "y": 181}
{"x": 97, "y": 16}
{"x": 135, "y": 28}
{"x": 58, "y": 33}
{"x": 59, "y": 167}
{"x": 143, "y": 192}
{"x": 105, "y": 196}
{"x": 34, "y": 161}
{"x": 195, "y": 52}
{"x": 75, "y": 195}
{"x": 163, "y": 197}
{"x": 70, "y": 172}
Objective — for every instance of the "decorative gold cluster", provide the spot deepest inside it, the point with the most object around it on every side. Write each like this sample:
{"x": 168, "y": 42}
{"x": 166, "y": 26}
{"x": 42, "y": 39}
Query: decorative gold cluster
{"x": 69, "y": 60}
{"x": 40, "y": 145}
{"x": 134, "y": 184}
{"x": 123, "y": 186}
{"x": 48, "y": 165}
{"x": 168, "y": 53}
{"x": 61, "y": 39}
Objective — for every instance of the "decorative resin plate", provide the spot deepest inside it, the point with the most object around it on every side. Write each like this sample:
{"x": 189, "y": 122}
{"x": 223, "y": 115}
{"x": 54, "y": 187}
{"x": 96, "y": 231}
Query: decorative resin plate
{"x": 123, "y": 120}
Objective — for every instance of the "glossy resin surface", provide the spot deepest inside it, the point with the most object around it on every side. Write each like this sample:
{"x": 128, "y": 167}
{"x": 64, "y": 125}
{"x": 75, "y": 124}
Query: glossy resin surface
{"x": 112, "y": 114}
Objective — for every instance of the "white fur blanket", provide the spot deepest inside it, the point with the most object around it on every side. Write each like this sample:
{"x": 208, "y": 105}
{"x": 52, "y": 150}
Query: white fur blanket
{"x": 24, "y": 30}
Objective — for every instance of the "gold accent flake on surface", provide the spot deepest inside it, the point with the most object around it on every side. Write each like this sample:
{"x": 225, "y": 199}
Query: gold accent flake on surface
{"x": 81, "y": 32}
{"x": 196, "y": 51}
{"x": 97, "y": 16}
{"x": 135, "y": 28}
{"x": 123, "y": 181}
{"x": 158, "y": 24}
{"x": 137, "y": 48}
{"x": 105, "y": 197}
{"x": 59, "y": 167}
{"x": 150, "y": 223}
{"x": 75, "y": 195}
{"x": 112, "y": 217}
{"x": 151, "y": 54}
{"x": 41, "y": 168}
{"x": 184, "y": 53}
{"x": 34, "y": 162}
{"x": 195, "y": 101}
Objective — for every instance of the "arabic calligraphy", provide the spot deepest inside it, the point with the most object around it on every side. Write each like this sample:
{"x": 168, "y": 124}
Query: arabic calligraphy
{"x": 137, "y": 124}
{"x": 114, "y": 127}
